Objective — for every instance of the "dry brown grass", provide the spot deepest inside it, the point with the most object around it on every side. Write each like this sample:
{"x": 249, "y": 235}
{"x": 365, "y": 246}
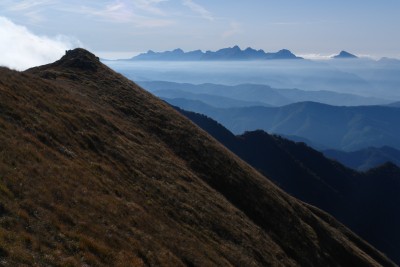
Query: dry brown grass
{"x": 96, "y": 171}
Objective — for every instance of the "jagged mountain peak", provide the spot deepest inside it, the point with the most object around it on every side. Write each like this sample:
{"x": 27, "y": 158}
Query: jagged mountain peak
{"x": 229, "y": 53}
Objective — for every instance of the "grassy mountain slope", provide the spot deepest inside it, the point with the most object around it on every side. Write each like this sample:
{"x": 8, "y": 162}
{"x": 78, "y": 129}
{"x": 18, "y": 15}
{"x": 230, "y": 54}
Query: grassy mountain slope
{"x": 366, "y": 202}
{"x": 94, "y": 170}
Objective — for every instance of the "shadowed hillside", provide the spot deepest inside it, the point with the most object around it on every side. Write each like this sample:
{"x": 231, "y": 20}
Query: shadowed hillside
{"x": 368, "y": 203}
{"x": 342, "y": 128}
{"x": 94, "y": 170}
{"x": 365, "y": 159}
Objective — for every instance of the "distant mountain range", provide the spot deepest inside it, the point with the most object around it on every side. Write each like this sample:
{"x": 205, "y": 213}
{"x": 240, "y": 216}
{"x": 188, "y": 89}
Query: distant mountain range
{"x": 231, "y": 53}
{"x": 364, "y": 77}
{"x": 369, "y": 203}
{"x": 209, "y": 99}
{"x": 341, "y": 128}
{"x": 345, "y": 55}
{"x": 245, "y": 95}
{"x": 365, "y": 159}
{"x": 395, "y": 104}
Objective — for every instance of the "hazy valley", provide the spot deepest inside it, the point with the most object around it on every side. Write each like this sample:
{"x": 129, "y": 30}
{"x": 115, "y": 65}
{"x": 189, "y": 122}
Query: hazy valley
{"x": 361, "y": 76}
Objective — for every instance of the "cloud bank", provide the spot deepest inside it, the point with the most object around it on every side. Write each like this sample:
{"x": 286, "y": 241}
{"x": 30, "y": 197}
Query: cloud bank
{"x": 21, "y": 49}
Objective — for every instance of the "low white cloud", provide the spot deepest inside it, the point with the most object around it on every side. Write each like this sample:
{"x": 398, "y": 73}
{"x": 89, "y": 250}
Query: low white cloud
{"x": 368, "y": 56}
{"x": 316, "y": 56}
{"x": 21, "y": 49}
{"x": 204, "y": 13}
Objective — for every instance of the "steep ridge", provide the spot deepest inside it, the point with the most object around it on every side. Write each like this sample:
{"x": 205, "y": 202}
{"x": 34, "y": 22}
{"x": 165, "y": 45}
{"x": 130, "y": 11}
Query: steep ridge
{"x": 94, "y": 170}
{"x": 366, "y": 202}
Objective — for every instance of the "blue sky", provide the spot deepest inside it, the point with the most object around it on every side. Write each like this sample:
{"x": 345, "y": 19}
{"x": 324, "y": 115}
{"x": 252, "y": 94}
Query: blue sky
{"x": 120, "y": 27}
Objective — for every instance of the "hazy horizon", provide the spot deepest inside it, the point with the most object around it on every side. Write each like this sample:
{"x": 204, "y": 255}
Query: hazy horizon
{"x": 121, "y": 55}
{"x": 343, "y": 76}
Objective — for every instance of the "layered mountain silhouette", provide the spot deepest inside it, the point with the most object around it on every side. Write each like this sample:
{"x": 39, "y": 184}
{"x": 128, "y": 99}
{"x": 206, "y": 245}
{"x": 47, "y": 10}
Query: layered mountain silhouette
{"x": 365, "y": 159}
{"x": 344, "y": 55}
{"x": 209, "y": 99}
{"x": 368, "y": 203}
{"x": 395, "y": 104}
{"x": 246, "y": 95}
{"x": 231, "y": 53}
{"x": 96, "y": 171}
{"x": 340, "y": 128}
{"x": 365, "y": 77}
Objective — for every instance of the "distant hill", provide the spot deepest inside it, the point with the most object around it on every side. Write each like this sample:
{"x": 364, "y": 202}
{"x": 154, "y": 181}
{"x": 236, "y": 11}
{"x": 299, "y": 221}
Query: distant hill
{"x": 389, "y": 61}
{"x": 369, "y": 203}
{"x": 395, "y": 104}
{"x": 340, "y": 128}
{"x": 210, "y": 99}
{"x": 254, "y": 94}
{"x": 344, "y": 55}
{"x": 231, "y": 53}
{"x": 365, "y": 159}
{"x": 95, "y": 171}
